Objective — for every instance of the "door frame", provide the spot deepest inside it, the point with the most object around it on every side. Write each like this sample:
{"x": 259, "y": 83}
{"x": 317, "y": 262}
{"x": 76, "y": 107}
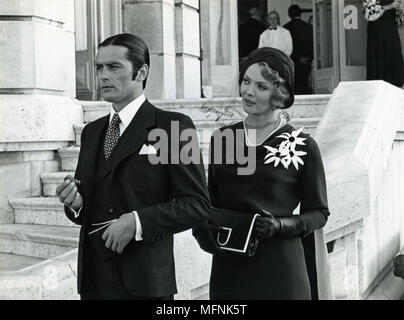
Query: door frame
{"x": 330, "y": 74}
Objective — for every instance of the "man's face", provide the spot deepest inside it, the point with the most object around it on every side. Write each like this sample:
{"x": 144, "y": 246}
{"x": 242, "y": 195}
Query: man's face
{"x": 273, "y": 19}
{"x": 114, "y": 75}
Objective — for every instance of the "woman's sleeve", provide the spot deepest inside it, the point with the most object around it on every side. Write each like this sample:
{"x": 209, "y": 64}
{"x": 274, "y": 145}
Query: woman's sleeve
{"x": 313, "y": 205}
{"x": 372, "y": 10}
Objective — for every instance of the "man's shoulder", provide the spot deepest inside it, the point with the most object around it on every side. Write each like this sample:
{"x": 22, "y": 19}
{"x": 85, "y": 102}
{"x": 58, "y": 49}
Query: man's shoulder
{"x": 166, "y": 118}
{"x": 283, "y": 29}
{"x": 95, "y": 123}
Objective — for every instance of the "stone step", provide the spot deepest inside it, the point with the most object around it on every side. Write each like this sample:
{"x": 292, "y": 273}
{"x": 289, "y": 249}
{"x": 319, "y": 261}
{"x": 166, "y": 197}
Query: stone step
{"x": 51, "y": 180}
{"x": 41, "y": 279}
{"x": 41, "y": 211}
{"x": 215, "y": 108}
{"x": 69, "y": 157}
{"x": 12, "y": 262}
{"x": 39, "y": 241}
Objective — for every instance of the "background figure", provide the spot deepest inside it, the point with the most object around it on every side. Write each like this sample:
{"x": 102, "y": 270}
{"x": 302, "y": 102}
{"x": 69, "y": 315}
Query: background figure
{"x": 384, "y": 56}
{"x": 276, "y": 36}
{"x": 302, "y": 55}
{"x": 249, "y": 34}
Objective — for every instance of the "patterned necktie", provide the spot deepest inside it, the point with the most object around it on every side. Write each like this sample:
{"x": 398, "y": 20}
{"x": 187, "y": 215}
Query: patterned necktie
{"x": 112, "y": 135}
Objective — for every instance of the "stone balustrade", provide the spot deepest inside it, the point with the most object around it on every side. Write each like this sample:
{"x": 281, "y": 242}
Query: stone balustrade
{"x": 359, "y": 137}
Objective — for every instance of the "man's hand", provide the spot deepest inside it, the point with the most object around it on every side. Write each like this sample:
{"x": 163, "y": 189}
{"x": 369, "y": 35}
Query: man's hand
{"x": 120, "y": 233}
{"x": 68, "y": 194}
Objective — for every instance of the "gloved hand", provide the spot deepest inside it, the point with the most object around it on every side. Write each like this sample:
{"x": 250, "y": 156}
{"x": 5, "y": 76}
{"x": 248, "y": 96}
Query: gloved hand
{"x": 266, "y": 225}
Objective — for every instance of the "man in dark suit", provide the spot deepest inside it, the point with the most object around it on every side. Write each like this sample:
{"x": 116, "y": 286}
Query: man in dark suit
{"x": 302, "y": 55}
{"x": 249, "y": 34}
{"x": 128, "y": 206}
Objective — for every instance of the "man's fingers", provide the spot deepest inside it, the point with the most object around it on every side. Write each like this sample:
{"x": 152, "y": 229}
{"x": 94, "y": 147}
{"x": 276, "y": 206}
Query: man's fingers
{"x": 77, "y": 201}
{"x": 61, "y": 187}
{"x": 70, "y": 197}
{"x": 121, "y": 246}
{"x": 108, "y": 243}
{"x": 105, "y": 234}
{"x": 114, "y": 246}
{"x": 65, "y": 192}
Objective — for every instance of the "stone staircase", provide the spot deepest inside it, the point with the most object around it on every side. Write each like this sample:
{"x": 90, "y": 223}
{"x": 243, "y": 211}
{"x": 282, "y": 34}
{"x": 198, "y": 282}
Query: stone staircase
{"x": 38, "y": 251}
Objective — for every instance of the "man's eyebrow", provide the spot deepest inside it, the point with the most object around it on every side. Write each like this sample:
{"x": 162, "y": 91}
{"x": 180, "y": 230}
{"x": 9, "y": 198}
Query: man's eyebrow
{"x": 108, "y": 63}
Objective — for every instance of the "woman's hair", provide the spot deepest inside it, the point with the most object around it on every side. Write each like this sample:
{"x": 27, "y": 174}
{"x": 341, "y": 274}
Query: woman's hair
{"x": 277, "y": 68}
{"x": 138, "y": 52}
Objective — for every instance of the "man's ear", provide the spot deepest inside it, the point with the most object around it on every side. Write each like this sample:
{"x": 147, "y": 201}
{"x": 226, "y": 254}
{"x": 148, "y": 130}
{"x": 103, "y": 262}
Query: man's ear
{"x": 142, "y": 73}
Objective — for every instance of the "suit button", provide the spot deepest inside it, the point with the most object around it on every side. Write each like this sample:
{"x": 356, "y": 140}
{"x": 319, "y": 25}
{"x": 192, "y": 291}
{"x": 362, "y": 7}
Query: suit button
{"x": 111, "y": 210}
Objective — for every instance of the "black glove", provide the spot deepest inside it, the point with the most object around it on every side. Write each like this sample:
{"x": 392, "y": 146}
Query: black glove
{"x": 266, "y": 225}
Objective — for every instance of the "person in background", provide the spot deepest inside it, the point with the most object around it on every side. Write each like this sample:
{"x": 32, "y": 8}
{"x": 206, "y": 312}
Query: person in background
{"x": 249, "y": 33}
{"x": 302, "y": 55}
{"x": 384, "y": 55}
{"x": 276, "y": 36}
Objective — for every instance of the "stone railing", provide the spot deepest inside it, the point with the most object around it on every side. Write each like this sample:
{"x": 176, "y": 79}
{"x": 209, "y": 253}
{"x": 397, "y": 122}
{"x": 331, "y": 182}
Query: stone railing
{"x": 360, "y": 137}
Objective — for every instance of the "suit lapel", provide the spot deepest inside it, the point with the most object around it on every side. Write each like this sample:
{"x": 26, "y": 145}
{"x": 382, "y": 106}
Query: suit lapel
{"x": 135, "y": 134}
{"x": 90, "y": 151}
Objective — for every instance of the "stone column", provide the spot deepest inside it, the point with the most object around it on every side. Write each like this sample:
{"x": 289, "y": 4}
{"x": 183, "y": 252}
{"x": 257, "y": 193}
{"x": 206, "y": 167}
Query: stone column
{"x": 153, "y": 21}
{"x": 37, "y": 80}
{"x": 205, "y": 52}
{"x": 37, "y": 41}
{"x": 187, "y": 47}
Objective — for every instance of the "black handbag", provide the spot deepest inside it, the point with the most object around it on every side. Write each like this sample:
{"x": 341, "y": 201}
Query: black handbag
{"x": 233, "y": 231}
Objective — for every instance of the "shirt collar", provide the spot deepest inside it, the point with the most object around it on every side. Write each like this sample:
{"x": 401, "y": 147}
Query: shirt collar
{"x": 126, "y": 114}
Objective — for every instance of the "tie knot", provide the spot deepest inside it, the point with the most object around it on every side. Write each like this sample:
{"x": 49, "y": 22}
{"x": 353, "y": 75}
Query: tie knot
{"x": 115, "y": 119}
{"x": 273, "y": 28}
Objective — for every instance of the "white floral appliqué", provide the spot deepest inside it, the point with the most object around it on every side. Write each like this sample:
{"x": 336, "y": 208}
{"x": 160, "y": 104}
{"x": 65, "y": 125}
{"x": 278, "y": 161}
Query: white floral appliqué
{"x": 286, "y": 152}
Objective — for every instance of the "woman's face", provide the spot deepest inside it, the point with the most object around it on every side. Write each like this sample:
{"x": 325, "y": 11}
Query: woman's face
{"x": 256, "y": 91}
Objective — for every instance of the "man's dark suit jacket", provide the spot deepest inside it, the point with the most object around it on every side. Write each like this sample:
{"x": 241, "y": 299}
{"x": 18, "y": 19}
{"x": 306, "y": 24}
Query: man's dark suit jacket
{"x": 249, "y": 36}
{"x": 168, "y": 198}
{"x": 302, "y": 38}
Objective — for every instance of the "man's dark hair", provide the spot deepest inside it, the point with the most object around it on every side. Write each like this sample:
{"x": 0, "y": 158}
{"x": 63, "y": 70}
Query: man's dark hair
{"x": 138, "y": 52}
{"x": 294, "y": 11}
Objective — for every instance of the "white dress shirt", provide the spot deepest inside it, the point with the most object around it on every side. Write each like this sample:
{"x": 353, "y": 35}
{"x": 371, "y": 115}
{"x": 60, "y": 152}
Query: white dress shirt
{"x": 278, "y": 39}
{"x": 126, "y": 115}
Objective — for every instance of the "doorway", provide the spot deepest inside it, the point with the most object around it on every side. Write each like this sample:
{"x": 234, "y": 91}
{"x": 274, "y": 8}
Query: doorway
{"x": 339, "y": 51}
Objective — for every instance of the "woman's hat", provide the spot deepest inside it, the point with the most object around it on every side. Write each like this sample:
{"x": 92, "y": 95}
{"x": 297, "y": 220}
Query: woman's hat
{"x": 276, "y": 60}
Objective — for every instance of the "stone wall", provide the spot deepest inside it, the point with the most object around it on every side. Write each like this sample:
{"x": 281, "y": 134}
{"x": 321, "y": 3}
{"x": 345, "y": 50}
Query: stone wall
{"x": 363, "y": 164}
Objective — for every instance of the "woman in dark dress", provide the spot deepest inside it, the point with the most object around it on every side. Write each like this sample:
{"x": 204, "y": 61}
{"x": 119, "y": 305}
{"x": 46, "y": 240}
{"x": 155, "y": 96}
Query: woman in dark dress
{"x": 384, "y": 56}
{"x": 291, "y": 259}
